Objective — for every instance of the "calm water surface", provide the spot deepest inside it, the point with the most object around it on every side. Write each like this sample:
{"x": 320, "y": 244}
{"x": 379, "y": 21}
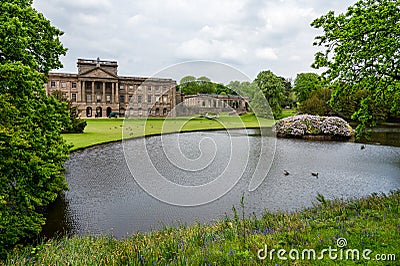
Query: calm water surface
{"x": 104, "y": 198}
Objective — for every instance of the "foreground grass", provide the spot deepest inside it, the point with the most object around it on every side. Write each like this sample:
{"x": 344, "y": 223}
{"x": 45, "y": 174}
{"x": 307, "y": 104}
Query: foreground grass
{"x": 100, "y": 131}
{"x": 368, "y": 223}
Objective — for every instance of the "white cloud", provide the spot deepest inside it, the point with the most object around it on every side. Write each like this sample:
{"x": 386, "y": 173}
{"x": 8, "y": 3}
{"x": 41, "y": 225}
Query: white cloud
{"x": 210, "y": 49}
{"x": 87, "y": 4}
{"x": 266, "y": 54}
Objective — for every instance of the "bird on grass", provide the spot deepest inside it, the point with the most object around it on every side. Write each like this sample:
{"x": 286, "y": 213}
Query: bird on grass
{"x": 285, "y": 172}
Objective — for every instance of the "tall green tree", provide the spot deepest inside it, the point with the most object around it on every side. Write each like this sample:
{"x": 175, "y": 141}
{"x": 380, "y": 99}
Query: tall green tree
{"x": 304, "y": 84}
{"x": 289, "y": 97}
{"x": 318, "y": 103}
{"x": 32, "y": 150}
{"x": 188, "y": 85}
{"x": 192, "y": 85}
{"x": 75, "y": 125}
{"x": 361, "y": 48}
{"x": 273, "y": 89}
{"x": 205, "y": 85}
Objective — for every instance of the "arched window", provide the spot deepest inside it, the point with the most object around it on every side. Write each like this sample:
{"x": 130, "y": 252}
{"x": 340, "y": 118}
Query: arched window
{"x": 99, "y": 112}
{"x": 108, "y": 111}
{"x": 88, "y": 111}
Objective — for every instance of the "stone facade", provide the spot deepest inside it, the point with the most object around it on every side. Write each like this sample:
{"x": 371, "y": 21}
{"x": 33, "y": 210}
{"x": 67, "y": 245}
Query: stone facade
{"x": 97, "y": 90}
{"x": 216, "y": 103}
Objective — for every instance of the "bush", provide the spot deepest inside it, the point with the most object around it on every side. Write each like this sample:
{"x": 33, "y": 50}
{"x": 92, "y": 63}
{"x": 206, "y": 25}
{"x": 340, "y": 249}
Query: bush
{"x": 318, "y": 103}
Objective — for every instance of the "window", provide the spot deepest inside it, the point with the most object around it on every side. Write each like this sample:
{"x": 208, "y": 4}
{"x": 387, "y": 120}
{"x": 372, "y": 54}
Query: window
{"x": 157, "y": 98}
{"x": 88, "y": 98}
{"x": 130, "y": 87}
{"x": 164, "y": 111}
{"x": 139, "y": 88}
{"x": 164, "y": 88}
{"x": 139, "y": 99}
{"x": 74, "y": 85}
{"x": 149, "y": 111}
{"x": 63, "y": 85}
{"x": 157, "y": 88}
{"x": 149, "y": 88}
{"x": 53, "y": 84}
{"x": 121, "y": 87}
{"x": 73, "y": 97}
{"x": 149, "y": 98}
{"x": 88, "y": 85}
{"x": 108, "y": 98}
{"x": 98, "y": 98}
{"x": 165, "y": 99}
{"x": 121, "y": 98}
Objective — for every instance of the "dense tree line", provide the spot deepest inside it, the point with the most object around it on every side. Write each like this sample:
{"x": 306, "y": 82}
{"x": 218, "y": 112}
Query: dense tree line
{"x": 361, "y": 55}
{"x": 75, "y": 125}
{"x": 266, "y": 87}
{"x": 32, "y": 150}
{"x": 191, "y": 85}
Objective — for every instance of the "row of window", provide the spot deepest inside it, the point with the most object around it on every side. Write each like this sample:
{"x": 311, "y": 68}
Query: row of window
{"x": 63, "y": 84}
{"x": 140, "y": 99}
{"x": 148, "y": 87}
{"x": 98, "y": 98}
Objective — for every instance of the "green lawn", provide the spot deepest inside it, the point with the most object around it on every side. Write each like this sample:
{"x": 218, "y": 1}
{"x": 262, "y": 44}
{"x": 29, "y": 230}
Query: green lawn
{"x": 366, "y": 224}
{"x": 100, "y": 131}
{"x": 287, "y": 113}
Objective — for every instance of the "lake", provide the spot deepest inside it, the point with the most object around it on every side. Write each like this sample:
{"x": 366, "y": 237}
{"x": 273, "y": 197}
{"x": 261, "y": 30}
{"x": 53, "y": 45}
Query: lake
{"x": 105, "y": 198}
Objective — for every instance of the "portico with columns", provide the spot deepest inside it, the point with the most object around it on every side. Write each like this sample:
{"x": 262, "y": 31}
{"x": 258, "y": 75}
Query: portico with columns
{"x": 97, "y": 90}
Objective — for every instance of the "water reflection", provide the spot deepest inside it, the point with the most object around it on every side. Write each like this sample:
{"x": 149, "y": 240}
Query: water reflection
{"x": 104, "y": 198}
{"x": 388, "y": 135}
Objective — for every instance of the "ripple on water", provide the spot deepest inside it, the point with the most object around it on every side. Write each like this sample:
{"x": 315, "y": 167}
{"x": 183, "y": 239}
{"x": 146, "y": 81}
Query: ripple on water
{"x": 104, "y": 198}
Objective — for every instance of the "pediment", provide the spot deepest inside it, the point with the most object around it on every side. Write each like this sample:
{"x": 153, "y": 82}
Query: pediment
{"x": 98, "y": 72}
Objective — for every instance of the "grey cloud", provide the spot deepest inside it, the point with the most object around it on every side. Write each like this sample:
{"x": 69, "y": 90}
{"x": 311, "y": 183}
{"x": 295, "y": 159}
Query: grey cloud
{"x": 146, "y": 36}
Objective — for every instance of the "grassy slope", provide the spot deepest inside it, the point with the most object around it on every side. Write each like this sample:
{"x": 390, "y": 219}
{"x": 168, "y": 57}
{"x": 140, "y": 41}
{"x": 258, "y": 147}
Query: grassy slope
{"x": 106, "y": 130}
{"x": 369, "y": 223}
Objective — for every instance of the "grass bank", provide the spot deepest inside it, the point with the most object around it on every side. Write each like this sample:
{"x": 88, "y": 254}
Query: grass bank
{"x": 100, "y": 131}
{"x": 370, "y": 223}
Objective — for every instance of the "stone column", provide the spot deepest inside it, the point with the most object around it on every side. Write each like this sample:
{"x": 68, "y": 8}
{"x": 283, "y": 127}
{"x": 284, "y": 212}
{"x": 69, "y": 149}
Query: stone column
{"x": 103, "y": 99}
{"x": 79, "y": 95}
{"x": 83, "y": 88}
{"x": 112, "y": 93}
{"x": 116, "y": 92}
{"x": 93, "y": 99}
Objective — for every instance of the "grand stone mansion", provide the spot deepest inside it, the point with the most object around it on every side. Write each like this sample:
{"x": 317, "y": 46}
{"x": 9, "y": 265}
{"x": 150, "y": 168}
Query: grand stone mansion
{"x": 97, "y": 90}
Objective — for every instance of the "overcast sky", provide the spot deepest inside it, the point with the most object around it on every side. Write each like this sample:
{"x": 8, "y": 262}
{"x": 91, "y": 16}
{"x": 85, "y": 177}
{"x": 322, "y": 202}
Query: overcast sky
{"x": 148, "y": 36}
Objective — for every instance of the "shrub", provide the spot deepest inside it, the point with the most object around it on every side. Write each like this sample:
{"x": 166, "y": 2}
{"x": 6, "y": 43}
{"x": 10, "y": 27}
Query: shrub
{"x": 318, "y": 103}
